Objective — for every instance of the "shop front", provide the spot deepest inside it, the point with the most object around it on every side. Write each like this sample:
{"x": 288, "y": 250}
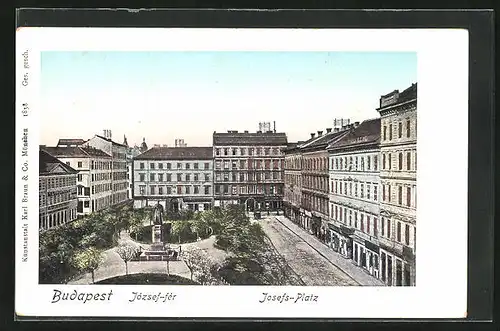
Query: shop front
{"x": 372, "y": 256}
{"x": 316, "y": 228}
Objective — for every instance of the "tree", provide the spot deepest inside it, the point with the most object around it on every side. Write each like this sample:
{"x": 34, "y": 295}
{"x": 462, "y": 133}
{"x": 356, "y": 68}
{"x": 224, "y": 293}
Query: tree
{"x": 181, "y": 229}
{"x": 88, "y": 260}
{"x": 201, "y": 266}
{"x": 127, "y": 252}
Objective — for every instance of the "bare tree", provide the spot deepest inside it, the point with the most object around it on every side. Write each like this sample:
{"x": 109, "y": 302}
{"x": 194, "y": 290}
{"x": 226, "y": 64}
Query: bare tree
{"x": 127, "y": 252}
{"x": 200, "y": 265}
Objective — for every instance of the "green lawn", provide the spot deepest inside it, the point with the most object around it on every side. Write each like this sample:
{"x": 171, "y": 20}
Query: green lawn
{"x": 148, "y": 279}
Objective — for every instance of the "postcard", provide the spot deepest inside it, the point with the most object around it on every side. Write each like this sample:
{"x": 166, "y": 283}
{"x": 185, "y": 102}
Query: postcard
{"x": 241, "y": 173}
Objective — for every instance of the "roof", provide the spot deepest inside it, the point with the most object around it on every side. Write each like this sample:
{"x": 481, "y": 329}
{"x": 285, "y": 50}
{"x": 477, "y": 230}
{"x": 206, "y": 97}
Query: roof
{"x": 63, "y": 151}
{"x": 250, "y": 138}
{"x": 177, "y": 153}
{"x": 323, "y": 140}
{"x": 111, "y": 141}
{"x": 395, "y": 98}
{"x": 368, "y": 132}
{"x": 70, "y": 141}
{"x": 50, "y": 165}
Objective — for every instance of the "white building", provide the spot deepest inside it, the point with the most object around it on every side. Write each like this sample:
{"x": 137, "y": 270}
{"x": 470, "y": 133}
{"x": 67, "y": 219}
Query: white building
{"x": 355, "y": 194}
{"x": 398, "y": 148}
{"x": 175, "y": 177}
{"x": 118, "y": 154}
{"x": 94, "y": 190}
{"x": 57, "y": 192}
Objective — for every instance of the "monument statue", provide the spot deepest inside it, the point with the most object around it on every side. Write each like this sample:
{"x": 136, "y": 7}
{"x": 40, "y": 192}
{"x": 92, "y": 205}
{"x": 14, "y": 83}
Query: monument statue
{"x": 158, "y": 215}
{"x": 157, "y": 229}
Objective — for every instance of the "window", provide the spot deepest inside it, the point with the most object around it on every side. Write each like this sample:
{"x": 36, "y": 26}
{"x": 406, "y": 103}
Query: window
{"x": 383, "y": 161}
{"x": 160, "y": 165}
{"x": 408, "y": 128}
{"x": 80, "y": 177}
{"x": 390, "y": 165}
{"x": 400, "y": 195}
{"x": 375, "y": 162}
{"x": 385, "y": 132}
{"x": 207, "y": 166}
{"x": 226, "y": 151}
{"x": 79, "y": 164}
{"x": 375, "y": 192}
{"x": 233, "y": 151}
{"x": 389, "y": 228}
{"x": 207, "y": 177}
{"x": 375, "y": 220}
{"x": 195, "y": 177}
{"x": 179, "y": 177}
{"x": 169, "y": 177}
{"x": 160, "y": 190}
{"x": 188, "y": 190}
{"x": 408, "y": 161}
{"x": 368, "y": 191}
{"x": 152, "y": 177}
{"x": 400, "y": 161}
{"x": 383, "y": 226}
{"x": 368, "y": 161}
{"x": 400, "y": 129}
{"x": 362, "y": 190}
{"x": 152, "y": 189}
{"x": 242, "y": 151}
{"x": 390, "y": 132}
{"x": 362, "y": 225}
{"x": 188, "y": 177}
{"x": 355, "y": 218}
{"x": 169, "y": 190}
{"x": 350, "y": 188}
{"x": 407, "y": 235}
{"x": 160, "y": 177}
{"x": 389, "y": 193}
{"x": 141, "y": 177}
{"x": 217, "y": 151}
{"x": 151, "y": 165}
{"x": 408, "y": 196}
{"x": 179, "y": 189}
{"x": 207, "y": 190}
{"x": 250, "y": 151}
{"x": 398, "y": 231}
{"x": 179, "y": 165}
{"x": 141, "y": 166}
{"x": 196, "y": 189}
{"x": 356, "y": 190}
{"x": 169, "y": 166}
{"x": 367, "y": 224}
{"x": 188, "y": 165}
{"x": 195, "y": 165}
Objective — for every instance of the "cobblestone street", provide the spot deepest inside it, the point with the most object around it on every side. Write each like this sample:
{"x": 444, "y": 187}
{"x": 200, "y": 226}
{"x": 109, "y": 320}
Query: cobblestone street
{"x": 313, "y": 268}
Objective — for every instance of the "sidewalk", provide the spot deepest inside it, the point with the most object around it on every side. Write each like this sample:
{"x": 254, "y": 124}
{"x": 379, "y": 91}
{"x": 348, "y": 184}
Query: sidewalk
{"x": 357, "y": 273}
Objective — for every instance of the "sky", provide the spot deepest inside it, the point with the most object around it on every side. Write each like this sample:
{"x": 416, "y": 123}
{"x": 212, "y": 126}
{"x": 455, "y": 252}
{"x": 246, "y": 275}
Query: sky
{"x": 162, "y": 96}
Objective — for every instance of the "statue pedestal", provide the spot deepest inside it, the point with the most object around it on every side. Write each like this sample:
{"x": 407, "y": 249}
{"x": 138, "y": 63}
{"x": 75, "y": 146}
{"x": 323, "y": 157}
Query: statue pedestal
{"x": 156, "y": 236}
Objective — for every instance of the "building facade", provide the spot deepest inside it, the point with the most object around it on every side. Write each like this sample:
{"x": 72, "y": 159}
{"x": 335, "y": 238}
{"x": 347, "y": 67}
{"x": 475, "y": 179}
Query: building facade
{"x": 398, "y": 203}
{"x": 57, "y": 192}
{"x": 293, "y": 182}
{"x": 249, "y": 169}
{"x": 354, "y": 197}
{"x": 94, "y": 189}
{"x": 118, "y": 154}
{"x": 174, "y": 177}
{"x": 315, "y": 178}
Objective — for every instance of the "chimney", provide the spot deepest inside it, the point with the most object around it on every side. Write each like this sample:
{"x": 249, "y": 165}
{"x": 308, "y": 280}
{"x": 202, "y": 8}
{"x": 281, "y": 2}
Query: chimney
{"x": 336, "y": 129}
{"x": 312, "y": 135}
{"x": 274, "y": 126}
{"x": 320, "y": 133}
{"x": 328, "y": 130}
{"x": 356, "y": 124}
{"x": 246, "y": 131}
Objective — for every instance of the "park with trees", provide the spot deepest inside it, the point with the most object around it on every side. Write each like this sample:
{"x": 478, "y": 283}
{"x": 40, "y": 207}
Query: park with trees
{"x": 250, "y": 259}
